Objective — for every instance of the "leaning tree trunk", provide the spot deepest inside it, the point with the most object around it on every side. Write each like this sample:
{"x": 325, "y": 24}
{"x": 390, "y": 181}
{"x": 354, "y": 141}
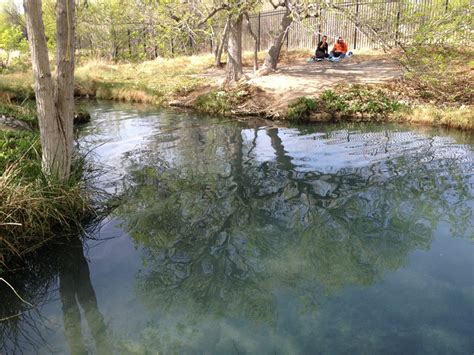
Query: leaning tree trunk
{"x": 220, "y": 48}
{"x": 255, "y": 48}
{"x": 234, "y": 69}
{"x": 54, "y": 104}
{"x": 271, "y": 59}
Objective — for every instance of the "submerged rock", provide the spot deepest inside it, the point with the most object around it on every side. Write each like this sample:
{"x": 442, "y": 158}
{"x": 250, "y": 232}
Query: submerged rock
{"x": 81, "y": 117}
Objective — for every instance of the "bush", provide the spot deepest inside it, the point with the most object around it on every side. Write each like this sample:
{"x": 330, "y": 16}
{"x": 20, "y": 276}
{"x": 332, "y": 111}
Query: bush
{"x": 437, "y": 56}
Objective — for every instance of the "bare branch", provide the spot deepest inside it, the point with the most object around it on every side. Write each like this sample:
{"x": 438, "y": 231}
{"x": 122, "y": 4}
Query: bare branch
{"x": 212, "y": 13}
{"x": 277, "y": 5}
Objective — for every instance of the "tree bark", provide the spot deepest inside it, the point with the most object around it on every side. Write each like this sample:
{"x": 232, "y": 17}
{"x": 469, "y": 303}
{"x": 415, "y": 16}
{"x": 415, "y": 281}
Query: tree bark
{"x": 234, "y": 69}
{"x": 271, "y": 59}
{"x": 65, "y": 34}
{"x": 54, "y": 104}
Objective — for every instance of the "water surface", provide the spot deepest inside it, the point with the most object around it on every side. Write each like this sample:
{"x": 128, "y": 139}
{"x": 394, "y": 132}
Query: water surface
{"x": 258, "y": 239}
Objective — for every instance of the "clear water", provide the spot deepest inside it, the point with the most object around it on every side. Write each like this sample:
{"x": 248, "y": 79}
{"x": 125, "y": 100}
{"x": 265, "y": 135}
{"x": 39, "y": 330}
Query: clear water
{"x": 258, "y": 239}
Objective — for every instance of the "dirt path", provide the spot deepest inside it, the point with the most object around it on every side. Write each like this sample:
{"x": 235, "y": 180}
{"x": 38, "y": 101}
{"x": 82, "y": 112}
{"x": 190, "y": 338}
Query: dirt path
{"x": 310, "y": 78}
{"x": 300, "y": 78}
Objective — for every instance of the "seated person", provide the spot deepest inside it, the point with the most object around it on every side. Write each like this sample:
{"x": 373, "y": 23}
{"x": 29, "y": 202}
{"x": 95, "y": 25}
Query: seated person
{"x": 322, "y": 49}
{"x": 340, "y": 49}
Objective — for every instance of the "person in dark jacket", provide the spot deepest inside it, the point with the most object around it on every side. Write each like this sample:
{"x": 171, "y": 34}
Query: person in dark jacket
{"x": 322, "y": 49}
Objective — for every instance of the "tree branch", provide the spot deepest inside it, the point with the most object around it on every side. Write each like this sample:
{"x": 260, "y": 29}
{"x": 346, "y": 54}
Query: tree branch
{"x": 212, "y": 13}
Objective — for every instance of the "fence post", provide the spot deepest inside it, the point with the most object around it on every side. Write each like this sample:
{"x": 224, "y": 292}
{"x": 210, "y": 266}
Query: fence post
{"x": 356, "y": 24}
{"x": 258, "y": 32}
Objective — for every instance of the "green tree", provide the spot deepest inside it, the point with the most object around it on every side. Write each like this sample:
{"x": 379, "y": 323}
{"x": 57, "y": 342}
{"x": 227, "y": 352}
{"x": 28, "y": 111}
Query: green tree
{"x": 12, "y": 39}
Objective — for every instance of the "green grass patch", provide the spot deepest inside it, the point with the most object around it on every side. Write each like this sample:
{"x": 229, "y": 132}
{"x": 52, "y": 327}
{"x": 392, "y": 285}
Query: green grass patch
{"x": 25, "y": 110}
{"x": 214, "y": 102}
{"x": 19, "y": 146}
{"x": 351, "y": 103}
{"x": 359, "y": 100}
{"x": 299, "y": 110}
{"x": 222, "y": 102}
{"x": 34, "y": 208}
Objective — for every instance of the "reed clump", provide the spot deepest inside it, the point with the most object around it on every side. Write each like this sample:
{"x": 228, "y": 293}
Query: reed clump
{"x": 35, "y": 208}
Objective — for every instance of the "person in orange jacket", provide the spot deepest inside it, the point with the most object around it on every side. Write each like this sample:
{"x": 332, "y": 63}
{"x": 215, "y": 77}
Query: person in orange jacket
{"x": 339, "y": 49}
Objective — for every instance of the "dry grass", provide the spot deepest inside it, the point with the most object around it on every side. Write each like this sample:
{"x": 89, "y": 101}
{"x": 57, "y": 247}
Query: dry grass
{"x": 148, "y": 82}
{"x": 16, "y": 85}
{"x": 460, "y": 118}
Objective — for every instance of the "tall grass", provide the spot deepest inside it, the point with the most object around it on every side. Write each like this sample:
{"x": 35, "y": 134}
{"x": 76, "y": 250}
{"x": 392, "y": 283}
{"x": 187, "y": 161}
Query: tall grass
{"x": 35, "y": 208}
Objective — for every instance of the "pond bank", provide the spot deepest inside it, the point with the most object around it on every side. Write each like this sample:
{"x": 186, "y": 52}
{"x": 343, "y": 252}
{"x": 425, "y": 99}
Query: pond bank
{"x": 192, "y": 82}
{"x": 353, "y": 103}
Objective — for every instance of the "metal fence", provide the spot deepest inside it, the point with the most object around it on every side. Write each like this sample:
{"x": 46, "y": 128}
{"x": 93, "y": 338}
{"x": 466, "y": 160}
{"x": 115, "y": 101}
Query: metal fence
{"x": 387, "y": 15}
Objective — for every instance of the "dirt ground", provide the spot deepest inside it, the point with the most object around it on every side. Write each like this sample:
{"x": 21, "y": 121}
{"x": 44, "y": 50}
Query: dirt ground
{"x": 300, "y": 78}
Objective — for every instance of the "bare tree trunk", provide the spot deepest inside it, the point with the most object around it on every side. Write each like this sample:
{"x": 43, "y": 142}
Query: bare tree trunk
{"x": 54, "y": 105}
{"x": 129, "y": 43}
{"x": 44, "y": 88}
{"x": 65, "y": 34}
{"x": 220, "y": 48}
{"x": 234, "y": 69}
{"x": 115, "y": 49}
{"x": 271, "y": 59}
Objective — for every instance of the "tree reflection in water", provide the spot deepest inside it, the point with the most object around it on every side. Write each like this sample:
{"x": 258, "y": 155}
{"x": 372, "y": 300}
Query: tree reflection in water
{"x": 240, "y": 229}
{"x": 75, "y": 289}
{"x": 67, "y": 266}
{"x": 223, "y": 231}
